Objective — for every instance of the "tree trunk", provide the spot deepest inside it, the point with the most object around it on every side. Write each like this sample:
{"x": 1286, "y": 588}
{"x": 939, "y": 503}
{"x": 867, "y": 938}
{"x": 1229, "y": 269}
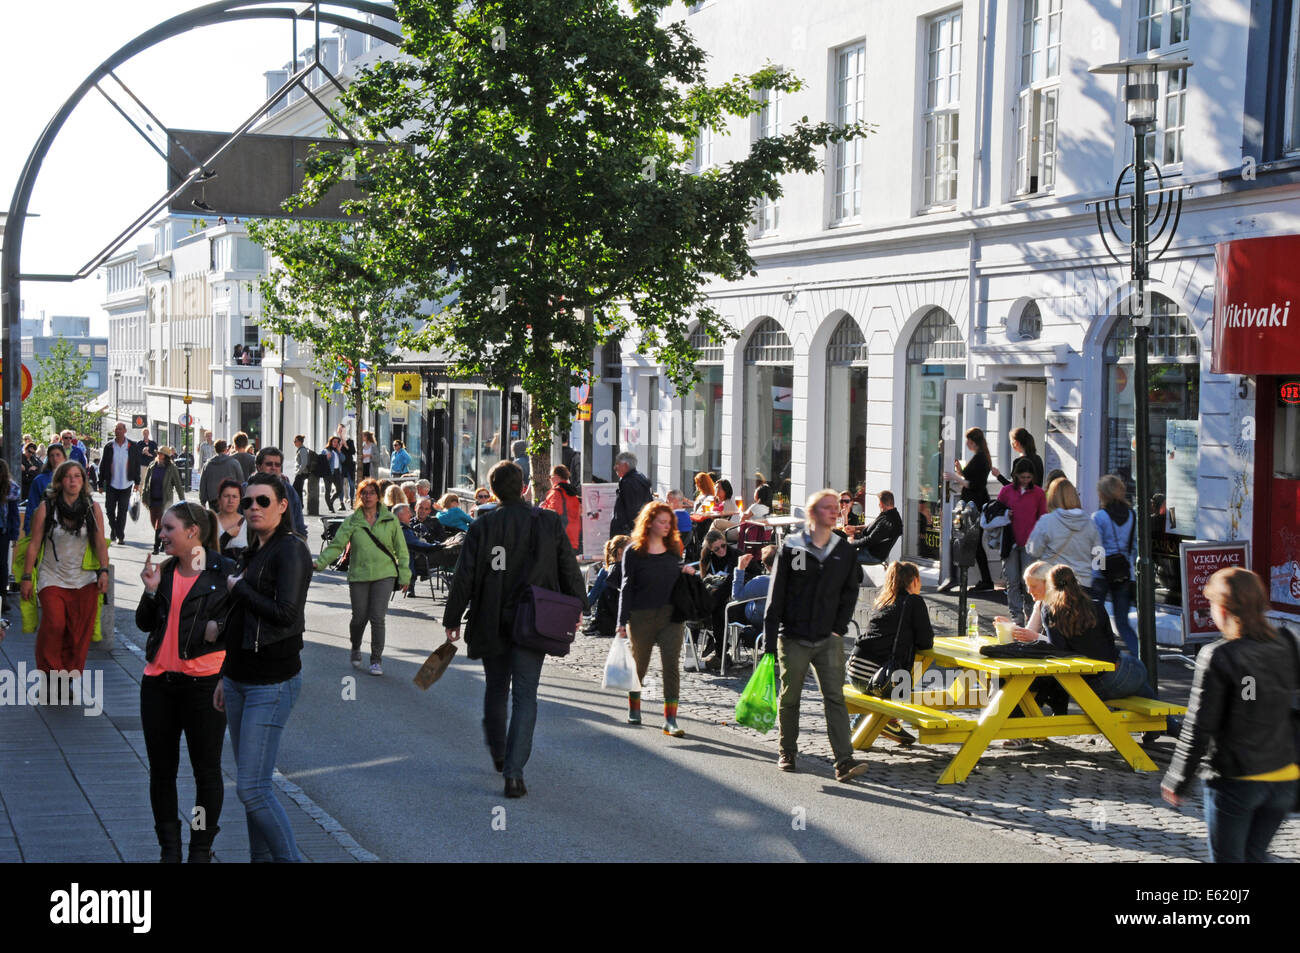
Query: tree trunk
{"x": 539, "y": 463}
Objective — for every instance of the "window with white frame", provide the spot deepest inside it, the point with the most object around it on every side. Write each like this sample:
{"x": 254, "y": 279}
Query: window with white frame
{"x": 850, "y": 107}
{"x": 767, "y": 211}
{"x": 942, "y": 101}
{"x": 1036, "y": 106}
{"x": 703, "y": 149}
{"x": 1162, "y": 28}
{"x": 1291, "y": 134}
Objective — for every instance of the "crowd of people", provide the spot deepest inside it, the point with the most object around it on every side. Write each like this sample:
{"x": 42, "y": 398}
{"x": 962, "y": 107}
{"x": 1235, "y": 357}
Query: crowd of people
{"x": 225, "y": 614}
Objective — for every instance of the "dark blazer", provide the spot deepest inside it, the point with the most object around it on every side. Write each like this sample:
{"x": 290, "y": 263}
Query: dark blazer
{"x": 133, "y": 462}
{"x": 489, "y": 589}
{"x": 633, "y": 493}
{"x": 879, "y": 538}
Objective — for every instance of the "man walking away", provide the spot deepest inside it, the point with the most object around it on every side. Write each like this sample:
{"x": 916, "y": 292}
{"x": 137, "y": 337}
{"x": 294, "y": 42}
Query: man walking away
{"x": 120, "y": 469}
{"x": 633, "y": 493}
{"x": 505, "y": 549}
{"x": 220, "y": 467}
{"x": 811, "y": 598}
{"x": 304, "y": 463}
{"x": 247, "y": 462}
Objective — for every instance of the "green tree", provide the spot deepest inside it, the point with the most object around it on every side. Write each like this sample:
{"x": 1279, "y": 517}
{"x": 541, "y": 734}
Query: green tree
{"x": 332, "y": 286}
{"x": 546, "y": 197}
{"x": 59, "y": 395}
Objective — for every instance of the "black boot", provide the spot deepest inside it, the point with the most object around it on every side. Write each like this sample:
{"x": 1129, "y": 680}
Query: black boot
{"x": 201, "y": 845}
{"x": 169, "y": 839}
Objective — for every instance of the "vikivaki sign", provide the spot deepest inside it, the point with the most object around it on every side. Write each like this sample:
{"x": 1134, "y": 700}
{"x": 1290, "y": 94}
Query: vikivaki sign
{"x": 1256, "y": 285}
{"x": 1197, "y": 562}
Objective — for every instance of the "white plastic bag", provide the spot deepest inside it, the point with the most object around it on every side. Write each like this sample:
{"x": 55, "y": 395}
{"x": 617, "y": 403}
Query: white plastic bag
{"x": 620, "y": 668}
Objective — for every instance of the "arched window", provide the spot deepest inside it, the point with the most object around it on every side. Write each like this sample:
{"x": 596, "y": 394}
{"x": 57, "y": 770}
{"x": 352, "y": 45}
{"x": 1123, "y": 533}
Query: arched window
{"x": 1030, "y": 325}
{"x": 1173, "y": 405}
{"x": 768, "y": 397}
{"x": 846, "y": 407}
{"x": 710, "y": 350}
{"x": 701, "y": 434}
{"x": 936, "y": 354}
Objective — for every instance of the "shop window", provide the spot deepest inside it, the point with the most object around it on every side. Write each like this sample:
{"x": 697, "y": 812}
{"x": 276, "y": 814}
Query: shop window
{"x": 769, "y": 403}
{"x": 846, "y": 407}
{"x": 701, "y": 433}
{"x": 1173, "y": 398}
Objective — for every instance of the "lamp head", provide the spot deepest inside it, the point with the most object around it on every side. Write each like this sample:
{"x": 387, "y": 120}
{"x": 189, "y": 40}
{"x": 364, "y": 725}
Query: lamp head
{"x": 1141, "y": 91}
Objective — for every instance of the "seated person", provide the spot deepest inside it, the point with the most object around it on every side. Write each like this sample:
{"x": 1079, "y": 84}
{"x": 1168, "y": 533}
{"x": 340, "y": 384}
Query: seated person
{"x": 414, "y": 544}
{"x": 725, "y": 506}
{"x": 426, "y": 523}
{"x": 850, "y": 512}
{"x": 742, "y": 590}
{"x": 604, "y": 592}
{"x": 451, "y": 515}
{"x": 1076, "y": 621}
{"x": 716, "y": 567}
{"x": 682, "y": 510}
{"x": 898, "y": 617}
{"x": 704, "y": 489}
{"x": 761, "y": 508}
{"x": 875, "y": 542}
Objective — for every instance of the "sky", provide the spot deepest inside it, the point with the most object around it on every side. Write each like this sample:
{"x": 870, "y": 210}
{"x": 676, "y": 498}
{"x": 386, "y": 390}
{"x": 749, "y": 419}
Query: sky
{"x": 100, "y": 175}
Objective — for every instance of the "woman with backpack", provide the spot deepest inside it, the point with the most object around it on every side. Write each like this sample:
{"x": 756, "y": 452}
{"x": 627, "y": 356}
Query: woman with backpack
{"x": 898, "y": 627}
{"x": 565, "y": 499}
{"x": 1117, "y": 525}
{"x": 378, "y": 562}
{"x": 1026, "y": 503}
{"x": 69, "y": 544}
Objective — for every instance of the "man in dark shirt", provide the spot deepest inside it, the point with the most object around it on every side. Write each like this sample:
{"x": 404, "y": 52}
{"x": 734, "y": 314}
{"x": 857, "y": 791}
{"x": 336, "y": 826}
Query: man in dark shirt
{"x": 148, "y": 448}
{"x": 633, "y": 493}
{"x": 247, "y": 462}
{"x": 875, "y": 542}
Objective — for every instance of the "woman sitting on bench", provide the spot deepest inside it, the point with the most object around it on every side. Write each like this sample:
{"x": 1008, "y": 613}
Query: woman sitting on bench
{"x": 899, "y": 617}
{"x": 1076, "y": 621}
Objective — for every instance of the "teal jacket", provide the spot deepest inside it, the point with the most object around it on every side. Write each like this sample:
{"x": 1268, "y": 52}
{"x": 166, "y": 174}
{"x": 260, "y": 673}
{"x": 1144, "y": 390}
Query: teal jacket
{"x": 368, "y": 562}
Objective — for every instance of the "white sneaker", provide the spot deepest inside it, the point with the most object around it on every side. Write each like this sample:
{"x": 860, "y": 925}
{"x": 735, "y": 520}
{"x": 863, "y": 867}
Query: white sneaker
{"x": 356, "y": 656}
{"x": 376, "y": 668}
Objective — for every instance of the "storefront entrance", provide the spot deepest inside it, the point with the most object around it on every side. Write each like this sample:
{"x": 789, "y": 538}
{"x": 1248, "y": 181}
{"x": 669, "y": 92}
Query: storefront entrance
{"x": 1277, "y": 463}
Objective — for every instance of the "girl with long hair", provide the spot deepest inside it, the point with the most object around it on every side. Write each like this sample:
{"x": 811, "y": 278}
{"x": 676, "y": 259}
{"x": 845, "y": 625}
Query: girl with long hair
{"x": 1242, "y": 741}
{"x": 898, "y": 616}
{"x": 1022, "y": 442}
{"x": 605, "y": 588}
{"x": 1075, "y": 621}
{"x": 1117, "y": 526}
{"x": 704, "y": 490}
{"x": 69, "y": 542}
{"x": 975, "y": 478}
{"x": 651, "y": 565}
{"x": 183, "y": 604}
{"x": 232, "y": 529}
{"x": 1026, "y": 504}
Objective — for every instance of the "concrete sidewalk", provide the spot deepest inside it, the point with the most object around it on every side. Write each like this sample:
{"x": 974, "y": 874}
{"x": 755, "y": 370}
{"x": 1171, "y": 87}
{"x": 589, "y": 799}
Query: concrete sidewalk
{"x": 74, "y": 787}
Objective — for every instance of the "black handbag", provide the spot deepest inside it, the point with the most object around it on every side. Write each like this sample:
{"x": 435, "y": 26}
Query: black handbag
{"x": 882, "y": 682}
{"x": 691, "y": 599}
{"x": 1118, "y": 571}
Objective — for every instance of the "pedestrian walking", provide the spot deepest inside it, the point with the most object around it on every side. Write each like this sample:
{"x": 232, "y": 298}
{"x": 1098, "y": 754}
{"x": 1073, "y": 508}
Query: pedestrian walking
{"x": 55, "y": 457}
{"x": 633, "y": 493}
{"x": 565, "y": 499}
{"x": 378, "y": 556}
{"x": 974, "y": 489}
{"x": 1027, "y": 504}
{"x": 349, "y": 450}
{"x": 899, "y": 627}
{"x": 652, "y": 563}
{"x": 184, "y": 601}
{"x": 334, "y": 474}
{"x": 1065, "y": 534}
{"x": 241, "y": 455}
{"x": 31, "y": 465}
{"x": 220, "y": 468}
{"x": 1117, "y": 526}
{"x": 1243, "y": 742}
{"x": 161, "y": 486}
{"x": 302, "y": 461}
{"x": 121, "y": 469}
{"x": 536, "y": 553}
{"x": 70, "y": 548}
{"x": 207, "y": 450}
{"x": 271, "y": 460}
{"x": 262, "y": 672}
{"x": 810, "y": 602}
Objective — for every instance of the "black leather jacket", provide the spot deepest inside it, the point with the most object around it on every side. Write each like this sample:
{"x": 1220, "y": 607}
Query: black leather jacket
{"x": 273, "y": 591}
{"x": 1239, "y": 717}
{"x": 809, "y": 598}
{"x": 206, "y": 600}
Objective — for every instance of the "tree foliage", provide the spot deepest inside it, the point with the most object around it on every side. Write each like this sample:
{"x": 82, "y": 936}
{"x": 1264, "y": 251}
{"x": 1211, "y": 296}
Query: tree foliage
{"x": 546, "y": 195}
{"x": 59, "y": 395}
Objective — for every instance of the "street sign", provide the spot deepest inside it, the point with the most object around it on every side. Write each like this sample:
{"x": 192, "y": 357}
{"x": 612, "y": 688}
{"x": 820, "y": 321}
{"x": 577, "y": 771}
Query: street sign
{"x": 584, "y": 411}
{"x": 187, "y": 400}
{"x": 139, "y": 422}
{"x": 406, "y": 386}
{"x": 186, "y": 420}
{"x": 27, "y": 382}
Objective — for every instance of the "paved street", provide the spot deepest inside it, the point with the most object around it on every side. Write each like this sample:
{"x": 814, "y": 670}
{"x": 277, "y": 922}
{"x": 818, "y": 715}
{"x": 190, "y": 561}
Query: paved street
{"x": 388, "y": 771}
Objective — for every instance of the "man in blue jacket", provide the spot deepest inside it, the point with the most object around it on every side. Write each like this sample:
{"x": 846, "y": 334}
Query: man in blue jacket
{"x": 810, "y": 602}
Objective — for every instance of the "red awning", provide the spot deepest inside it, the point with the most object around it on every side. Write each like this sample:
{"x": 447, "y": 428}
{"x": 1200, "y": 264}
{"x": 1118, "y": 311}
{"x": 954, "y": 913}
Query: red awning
{"x": 1257, "y": 284}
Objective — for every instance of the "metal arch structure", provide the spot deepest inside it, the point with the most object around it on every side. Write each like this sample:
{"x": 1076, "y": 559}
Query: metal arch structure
{"x": 221, "y": 11}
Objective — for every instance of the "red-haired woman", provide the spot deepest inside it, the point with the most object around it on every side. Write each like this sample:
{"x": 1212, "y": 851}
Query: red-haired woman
{"x": 651, "y": 564}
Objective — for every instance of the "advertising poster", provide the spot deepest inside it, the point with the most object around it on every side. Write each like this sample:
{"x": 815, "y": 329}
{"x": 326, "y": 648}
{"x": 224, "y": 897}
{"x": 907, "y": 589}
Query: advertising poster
{"x": 597, "y": 510}
{"x": 1182, "y": 442}
{"x": 1200, "y": 561}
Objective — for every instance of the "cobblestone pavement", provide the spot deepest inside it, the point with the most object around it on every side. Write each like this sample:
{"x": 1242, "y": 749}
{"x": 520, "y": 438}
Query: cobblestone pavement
{"x": 1076, "y": 796}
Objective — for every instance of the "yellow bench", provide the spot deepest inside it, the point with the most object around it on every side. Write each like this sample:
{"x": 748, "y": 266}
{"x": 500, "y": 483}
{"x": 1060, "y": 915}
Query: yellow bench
{"x": 933, "y": 726}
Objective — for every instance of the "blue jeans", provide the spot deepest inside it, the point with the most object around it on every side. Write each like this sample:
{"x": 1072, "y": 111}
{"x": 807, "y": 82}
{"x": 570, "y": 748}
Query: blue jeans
{"x": 514, "y": 673}
{"x": 1243, "y": 816}
{"x": 1129, "y": 678}
{"x": 256, "y": 715}
{"x": 1121, "y": 595}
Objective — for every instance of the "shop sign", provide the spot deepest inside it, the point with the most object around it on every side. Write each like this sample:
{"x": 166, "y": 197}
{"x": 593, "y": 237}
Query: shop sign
{"x": 406, "y": 386}
{"x": 1197, "y": 562}
{"x": 584, "y": 411}
{"x": 248, "y": 383}
{"x": 1255, "y": 290}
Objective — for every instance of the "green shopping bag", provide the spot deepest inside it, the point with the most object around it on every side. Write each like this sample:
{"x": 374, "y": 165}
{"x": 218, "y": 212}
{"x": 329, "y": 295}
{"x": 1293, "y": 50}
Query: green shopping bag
{"x": 757, "y": 706}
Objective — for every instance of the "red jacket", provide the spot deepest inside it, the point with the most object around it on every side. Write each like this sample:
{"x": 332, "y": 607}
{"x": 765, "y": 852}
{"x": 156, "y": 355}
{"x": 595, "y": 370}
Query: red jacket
{"x": 1025, "y": 509}
{"x": 566, "y": 501}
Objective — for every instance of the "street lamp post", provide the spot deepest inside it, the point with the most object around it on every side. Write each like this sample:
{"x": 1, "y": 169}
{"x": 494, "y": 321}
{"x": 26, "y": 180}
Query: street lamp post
{"x": 189, "y": 418}
{"x": 117, "y": 395}
{"x": 1141, "y": 95}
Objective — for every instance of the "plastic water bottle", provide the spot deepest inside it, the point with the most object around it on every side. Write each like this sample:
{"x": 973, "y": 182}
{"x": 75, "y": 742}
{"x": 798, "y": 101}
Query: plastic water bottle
{"x": 973, "y": 626}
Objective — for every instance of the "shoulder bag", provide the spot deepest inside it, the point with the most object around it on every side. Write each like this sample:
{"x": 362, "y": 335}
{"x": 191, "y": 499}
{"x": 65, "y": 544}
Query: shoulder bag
{"x": 545, "y": 620}
{"x": 881, "y": 681}
{"x": 1118, "y": 570}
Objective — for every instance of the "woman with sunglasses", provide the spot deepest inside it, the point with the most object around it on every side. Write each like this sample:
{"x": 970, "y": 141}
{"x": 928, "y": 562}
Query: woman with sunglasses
{"x": 262, "y": 674}
{"x": 184, "y": 601}
{"x": 379, "y": 555}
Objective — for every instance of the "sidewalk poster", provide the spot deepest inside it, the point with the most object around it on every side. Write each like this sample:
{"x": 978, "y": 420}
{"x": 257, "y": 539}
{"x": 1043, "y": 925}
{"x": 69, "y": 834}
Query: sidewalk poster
{"x": 597, "y": 510}
{"x": 1197, "y": 562}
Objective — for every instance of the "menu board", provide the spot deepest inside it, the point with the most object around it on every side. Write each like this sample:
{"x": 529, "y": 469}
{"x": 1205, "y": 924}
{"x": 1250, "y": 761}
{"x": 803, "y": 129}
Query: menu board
{"x": 1198, "y": 562}
{"x": 597, "y": 510}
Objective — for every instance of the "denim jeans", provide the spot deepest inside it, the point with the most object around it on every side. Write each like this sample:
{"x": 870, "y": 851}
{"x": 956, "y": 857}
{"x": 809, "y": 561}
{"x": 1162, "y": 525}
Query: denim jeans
{"x": 514, "y": 673}
{"x": 256, "y": 715}
{"x": 1129, "y": 678}
{"x": 1243, "y": 816}
{"x": 1121, "y": 596}
{"x": 1013, "y": 567}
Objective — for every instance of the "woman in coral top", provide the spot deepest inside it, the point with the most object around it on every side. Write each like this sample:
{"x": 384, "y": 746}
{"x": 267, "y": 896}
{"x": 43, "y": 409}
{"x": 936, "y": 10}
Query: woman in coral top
{"x": 185, "y": 599}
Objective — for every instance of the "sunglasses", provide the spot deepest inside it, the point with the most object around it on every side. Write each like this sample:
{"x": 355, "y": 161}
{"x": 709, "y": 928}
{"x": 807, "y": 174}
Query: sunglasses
{"x": 264, "y": 502}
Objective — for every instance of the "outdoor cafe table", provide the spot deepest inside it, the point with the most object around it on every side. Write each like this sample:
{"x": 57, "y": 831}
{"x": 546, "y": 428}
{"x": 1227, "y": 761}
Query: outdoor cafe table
{"x": 784, "y": 524}
{"x": 941, "y": 721}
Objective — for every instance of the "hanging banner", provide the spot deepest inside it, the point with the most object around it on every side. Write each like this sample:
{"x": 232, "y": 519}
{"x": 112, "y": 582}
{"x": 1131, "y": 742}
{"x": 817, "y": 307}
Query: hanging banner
{"x": 597, "y": 510}
{"x": 1255, "y": 291}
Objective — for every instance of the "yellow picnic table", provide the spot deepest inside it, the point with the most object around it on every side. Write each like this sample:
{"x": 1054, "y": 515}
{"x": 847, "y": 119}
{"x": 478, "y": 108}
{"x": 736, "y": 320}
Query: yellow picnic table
{"x": 943, "y": 715}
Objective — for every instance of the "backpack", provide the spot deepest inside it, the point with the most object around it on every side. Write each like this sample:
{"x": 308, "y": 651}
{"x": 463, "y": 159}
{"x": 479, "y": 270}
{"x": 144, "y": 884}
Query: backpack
{"x": 320, "y": 465}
